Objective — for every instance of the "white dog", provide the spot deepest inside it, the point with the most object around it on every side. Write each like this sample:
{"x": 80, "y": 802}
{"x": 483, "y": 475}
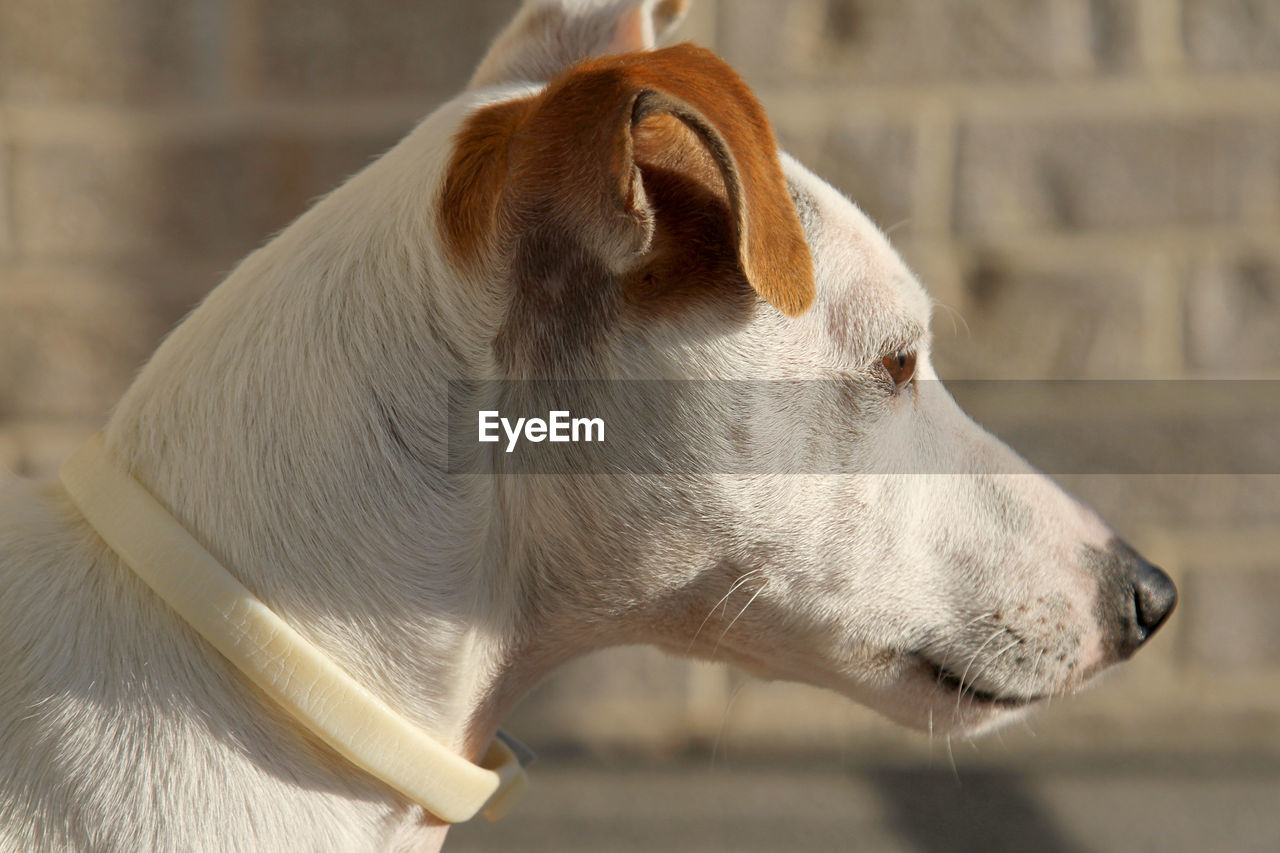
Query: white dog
{"x": 623, "y": 217}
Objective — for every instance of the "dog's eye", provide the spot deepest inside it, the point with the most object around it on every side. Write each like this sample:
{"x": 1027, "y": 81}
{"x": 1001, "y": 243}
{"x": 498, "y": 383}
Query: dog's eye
{"x": 901, "y": 367}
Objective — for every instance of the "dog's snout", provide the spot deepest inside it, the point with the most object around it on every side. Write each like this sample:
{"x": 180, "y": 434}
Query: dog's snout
{"x": 1154, "y": 597}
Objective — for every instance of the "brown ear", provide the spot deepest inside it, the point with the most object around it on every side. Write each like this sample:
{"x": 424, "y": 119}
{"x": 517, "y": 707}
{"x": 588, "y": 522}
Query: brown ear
{"x": 563, "y": 163}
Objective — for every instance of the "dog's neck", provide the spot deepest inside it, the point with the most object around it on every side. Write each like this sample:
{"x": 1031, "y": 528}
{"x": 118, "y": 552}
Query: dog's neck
{"x": 306, "y": 478}
{"x": 417, "y": 627}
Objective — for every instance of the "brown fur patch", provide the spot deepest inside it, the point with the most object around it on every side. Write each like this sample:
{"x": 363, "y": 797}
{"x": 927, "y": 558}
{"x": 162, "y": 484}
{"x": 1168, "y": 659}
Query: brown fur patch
{"x": 474, "y": 181}
{"x": 557, "y": 177}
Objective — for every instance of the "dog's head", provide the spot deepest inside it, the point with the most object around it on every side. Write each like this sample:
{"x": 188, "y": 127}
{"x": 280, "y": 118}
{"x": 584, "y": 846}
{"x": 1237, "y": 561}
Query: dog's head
{"x": 602, "y": 209}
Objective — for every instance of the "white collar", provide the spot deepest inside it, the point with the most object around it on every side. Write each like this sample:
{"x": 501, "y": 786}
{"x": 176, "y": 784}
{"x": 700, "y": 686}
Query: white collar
{"x": 275, "y": 657}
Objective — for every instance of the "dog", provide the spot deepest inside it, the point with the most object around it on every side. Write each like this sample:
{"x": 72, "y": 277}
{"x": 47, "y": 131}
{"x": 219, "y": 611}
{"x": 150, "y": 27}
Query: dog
{"x": 590, "y": 207}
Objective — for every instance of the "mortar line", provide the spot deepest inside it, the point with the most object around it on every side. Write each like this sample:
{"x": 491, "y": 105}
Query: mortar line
{"x": 1252, "y": 95}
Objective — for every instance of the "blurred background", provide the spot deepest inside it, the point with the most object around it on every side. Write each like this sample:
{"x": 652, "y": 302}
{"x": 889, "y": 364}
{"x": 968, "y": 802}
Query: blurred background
{"x": 1089, "y": 188}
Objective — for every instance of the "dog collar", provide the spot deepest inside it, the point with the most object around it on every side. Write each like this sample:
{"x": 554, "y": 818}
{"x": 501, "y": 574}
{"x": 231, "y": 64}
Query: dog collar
{"x": 293, "y": 672}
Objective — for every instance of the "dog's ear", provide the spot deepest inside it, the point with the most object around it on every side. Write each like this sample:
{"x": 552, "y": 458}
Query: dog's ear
{"x": 551, "y": 184}
{"x": 547, "y": 36}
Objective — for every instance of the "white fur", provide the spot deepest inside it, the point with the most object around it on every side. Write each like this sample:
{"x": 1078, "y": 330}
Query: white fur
{"x": 261, "y": 424}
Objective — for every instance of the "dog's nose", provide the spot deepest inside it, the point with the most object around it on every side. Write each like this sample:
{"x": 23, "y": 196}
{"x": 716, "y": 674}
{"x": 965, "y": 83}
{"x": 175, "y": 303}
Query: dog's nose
{"x": 1146, "y": 598}
{"x": 1154, "y": 597}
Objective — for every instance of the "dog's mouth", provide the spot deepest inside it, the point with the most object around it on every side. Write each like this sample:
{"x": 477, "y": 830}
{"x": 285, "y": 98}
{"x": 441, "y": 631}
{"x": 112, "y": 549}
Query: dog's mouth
{"x": 955, "y": 684}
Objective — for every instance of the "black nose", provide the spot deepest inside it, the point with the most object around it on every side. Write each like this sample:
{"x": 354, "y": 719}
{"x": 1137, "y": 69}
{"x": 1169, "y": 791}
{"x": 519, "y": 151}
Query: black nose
{"x": 1135, "y": 598}
{"x": 1154, "y": 597}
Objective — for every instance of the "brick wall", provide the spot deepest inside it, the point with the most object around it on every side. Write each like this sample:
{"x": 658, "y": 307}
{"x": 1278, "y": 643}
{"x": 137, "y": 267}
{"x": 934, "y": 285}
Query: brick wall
{"x": 1090, "y": 188}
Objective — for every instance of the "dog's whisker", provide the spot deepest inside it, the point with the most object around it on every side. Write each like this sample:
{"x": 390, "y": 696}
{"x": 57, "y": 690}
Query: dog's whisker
{"x": 987, "y": 615}
{"x": 738, "y": 582}
{"x": 901, "y": 223}
{"x": 994, "y": 658}
{"x": 739, "y": 616}
{"x": 964, "y": 677}
{"x": 957, "y": 319}
{"x": 930, "y": 735}
{"x": 1035, "y": 667}
{"x": 724, "y": 722}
